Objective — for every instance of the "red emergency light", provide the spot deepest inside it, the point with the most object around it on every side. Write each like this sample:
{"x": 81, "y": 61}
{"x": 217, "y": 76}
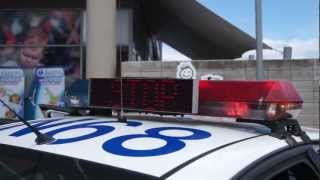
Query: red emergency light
{"x": 258, "y": 100}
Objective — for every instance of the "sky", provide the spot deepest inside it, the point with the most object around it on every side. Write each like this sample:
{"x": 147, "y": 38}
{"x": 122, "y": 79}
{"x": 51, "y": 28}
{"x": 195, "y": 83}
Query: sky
{"x": 292, "y": 23}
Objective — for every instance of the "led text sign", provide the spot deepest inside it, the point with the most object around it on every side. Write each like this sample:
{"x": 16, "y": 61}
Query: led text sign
{"x": 156, "y": 95}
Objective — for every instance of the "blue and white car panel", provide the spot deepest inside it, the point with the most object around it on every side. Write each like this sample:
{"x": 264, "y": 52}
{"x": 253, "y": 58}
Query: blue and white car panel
{"x": 167, "y": 149}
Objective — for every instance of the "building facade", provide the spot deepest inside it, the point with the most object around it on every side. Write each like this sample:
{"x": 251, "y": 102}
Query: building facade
{"x": 90, "y": 38}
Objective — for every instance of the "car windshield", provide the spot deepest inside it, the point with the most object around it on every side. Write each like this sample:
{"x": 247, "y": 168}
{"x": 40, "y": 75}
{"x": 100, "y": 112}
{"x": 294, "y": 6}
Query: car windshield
{"x": 23, "y": 164}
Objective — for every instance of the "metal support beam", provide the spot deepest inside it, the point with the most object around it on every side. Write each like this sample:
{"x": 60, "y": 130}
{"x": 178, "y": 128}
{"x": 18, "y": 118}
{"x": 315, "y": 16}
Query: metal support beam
{"x": 259, "y": 37}
{"x": 287, "y": 53}
{"x": 101, "y": 39}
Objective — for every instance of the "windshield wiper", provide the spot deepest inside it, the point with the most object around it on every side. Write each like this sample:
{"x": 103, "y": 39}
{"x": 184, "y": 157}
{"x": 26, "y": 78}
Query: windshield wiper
{"x": 41, "y": 138}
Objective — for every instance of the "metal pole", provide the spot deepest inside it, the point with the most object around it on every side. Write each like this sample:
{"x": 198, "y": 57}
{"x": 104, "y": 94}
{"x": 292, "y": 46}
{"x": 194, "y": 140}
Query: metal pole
{"x": 287, "y": 53}
{"x": 259, "y": 48}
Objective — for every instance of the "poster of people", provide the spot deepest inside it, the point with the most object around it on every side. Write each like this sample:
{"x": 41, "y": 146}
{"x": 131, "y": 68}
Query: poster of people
{"x": 41, "y": 38}
{"x": 11, "y": 92}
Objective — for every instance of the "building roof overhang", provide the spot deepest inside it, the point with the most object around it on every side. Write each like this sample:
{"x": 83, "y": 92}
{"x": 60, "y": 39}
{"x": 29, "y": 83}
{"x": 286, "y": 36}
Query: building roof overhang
{"x": 196, "y": 31}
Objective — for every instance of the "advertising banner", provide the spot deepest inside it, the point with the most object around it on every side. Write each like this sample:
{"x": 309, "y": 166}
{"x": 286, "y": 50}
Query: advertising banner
{"x": 31, "y": 38}
{"x": 77, "y": 95}
{"x": 11, "y": 92}
{"x": 48, "y": 88}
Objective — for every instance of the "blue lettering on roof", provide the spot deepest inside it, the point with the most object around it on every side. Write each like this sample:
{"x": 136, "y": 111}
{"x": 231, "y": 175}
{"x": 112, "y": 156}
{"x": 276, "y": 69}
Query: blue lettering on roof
{"x": 100, "y": 129}
{"x": 173, "y": 143}
{"x": 42, "y": 125}
{"x": 114, "y": 145}
{"x": 31, "y": 122}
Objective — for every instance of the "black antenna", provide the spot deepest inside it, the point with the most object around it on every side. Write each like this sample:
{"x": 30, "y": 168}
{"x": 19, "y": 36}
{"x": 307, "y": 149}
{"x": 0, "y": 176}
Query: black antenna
{"x": 41, "y": 138}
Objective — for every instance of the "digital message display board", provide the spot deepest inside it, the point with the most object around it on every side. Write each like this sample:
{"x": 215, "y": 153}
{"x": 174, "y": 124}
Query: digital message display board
{"x": 145, "y": 95}
{"x": 105, "y": 93}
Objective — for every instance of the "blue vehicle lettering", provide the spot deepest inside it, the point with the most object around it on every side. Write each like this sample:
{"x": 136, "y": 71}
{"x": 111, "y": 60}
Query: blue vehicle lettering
{"x": 173, "y": 143}
{"x": 115, "y": 145}
{"x": 99, "y": 131}
{"x": 44, "y": 125}
{"x": 98, "y": 126}
{"x": 32, "y": 122}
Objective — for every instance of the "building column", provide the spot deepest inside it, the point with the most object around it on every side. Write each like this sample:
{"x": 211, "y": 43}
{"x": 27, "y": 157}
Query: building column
{"x": 101, "y": 39}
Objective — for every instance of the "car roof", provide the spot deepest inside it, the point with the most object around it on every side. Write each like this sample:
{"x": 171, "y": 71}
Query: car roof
{"x": 159, "y": 148}
{"x": 233, "y": 158}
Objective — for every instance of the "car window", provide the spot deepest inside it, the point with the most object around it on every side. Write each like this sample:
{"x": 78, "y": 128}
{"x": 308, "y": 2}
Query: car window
{"x": 316, "y": 147}
{"x": 301, "y": 171}
{"x": 54, "y": 167}
{"x": 17, "y": 163}
{"x": 95, "y": 171}
{"x": 291, "y": 163}
{"x": 23, "y": 164}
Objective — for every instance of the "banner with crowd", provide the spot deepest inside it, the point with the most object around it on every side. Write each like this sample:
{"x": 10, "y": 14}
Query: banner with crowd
{"x": 41, "y": 38}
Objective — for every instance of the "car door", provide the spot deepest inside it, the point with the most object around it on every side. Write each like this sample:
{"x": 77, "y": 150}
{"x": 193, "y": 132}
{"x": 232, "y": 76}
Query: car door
{"x": 293, "y": 163}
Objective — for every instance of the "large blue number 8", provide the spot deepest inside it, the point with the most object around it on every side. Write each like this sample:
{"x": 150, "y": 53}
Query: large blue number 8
{"x": 173, "y": 143}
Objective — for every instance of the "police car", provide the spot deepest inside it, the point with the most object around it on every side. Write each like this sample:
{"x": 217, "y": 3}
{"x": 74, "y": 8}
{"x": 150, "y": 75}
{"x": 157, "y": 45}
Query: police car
{"x": 148, "y": 147}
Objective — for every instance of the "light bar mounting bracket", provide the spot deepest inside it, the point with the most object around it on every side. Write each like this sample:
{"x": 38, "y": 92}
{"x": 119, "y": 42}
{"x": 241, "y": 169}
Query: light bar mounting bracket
{"x": 283, "y": 129}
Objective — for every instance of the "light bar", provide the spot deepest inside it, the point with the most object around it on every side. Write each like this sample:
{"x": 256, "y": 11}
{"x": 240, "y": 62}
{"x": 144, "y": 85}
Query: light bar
{"x": 258, "y": 100}
{"x": 171, "y": 96}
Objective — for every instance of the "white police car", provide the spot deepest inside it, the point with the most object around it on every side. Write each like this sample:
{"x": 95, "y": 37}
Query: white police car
{"x": 106, "y": 147}
{"x": 91, "y": 148}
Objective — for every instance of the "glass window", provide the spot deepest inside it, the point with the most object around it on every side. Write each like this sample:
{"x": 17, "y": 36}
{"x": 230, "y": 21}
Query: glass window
{"x": 95, "y": 171}
{"x": 33, "y": 38}
{"x": 294, "y": 163}
{"x": 40, "y": 27}
{"x": 316, "y": 147}
{"x": 53, "y": 167}
{"x": 299, "y": 171}
{"x": 22, "y": 164}
{"x": 17, "y": 163}
{"x": 28, "y": 57}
